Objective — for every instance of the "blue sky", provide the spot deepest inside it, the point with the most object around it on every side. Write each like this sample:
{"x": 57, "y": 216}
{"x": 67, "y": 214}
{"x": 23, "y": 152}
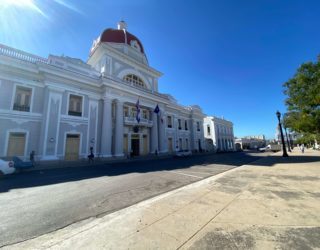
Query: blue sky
{"x": 228, "y": 56}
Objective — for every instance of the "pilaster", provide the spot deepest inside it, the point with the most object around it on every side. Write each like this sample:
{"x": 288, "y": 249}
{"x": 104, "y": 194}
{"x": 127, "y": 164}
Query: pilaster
{"x": 162, "y": 133}
{"x": 119, "y": 129}
{"x": 154, "y": 133}
{"x": 106, "y": 137}
{"x": 51, "y": 123}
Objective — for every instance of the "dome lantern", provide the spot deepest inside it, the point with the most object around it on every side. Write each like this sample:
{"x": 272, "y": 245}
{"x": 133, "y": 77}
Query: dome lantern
{"x": 122, "y": 25}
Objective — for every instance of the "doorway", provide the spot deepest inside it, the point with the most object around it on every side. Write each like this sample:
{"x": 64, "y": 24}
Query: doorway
{"x": 16, "y": 144}
{"x": 199, "y": 142}
{"x": 170, "y": 148}
{"x": 72, "y": 147}
{"x": 135, "y": 145}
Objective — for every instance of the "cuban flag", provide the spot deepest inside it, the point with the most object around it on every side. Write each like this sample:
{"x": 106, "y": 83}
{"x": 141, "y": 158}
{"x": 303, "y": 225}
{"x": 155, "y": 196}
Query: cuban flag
{"x": 138, "y": 111}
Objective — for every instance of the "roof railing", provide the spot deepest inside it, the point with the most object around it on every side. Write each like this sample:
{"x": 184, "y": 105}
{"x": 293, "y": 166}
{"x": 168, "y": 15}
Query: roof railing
{"x": 21, "y": 55}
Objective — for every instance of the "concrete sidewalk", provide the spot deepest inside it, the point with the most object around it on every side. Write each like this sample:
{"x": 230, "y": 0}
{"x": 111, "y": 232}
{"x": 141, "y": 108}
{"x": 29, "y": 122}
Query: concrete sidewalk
{"x": 273, "y": 204}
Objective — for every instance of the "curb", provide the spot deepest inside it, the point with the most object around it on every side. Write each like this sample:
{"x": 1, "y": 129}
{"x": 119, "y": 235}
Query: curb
{"x": 99, "y": 162}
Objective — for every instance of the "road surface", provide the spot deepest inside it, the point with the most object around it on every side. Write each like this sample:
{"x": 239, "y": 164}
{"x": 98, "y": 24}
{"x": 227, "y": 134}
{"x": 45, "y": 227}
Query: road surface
{"x": 39, "y": 202}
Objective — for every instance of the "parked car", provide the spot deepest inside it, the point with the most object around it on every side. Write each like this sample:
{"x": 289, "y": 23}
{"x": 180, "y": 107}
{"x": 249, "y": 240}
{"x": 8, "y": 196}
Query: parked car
{"x": 183, "y": 153}
{"x": 20, "y": 164}
{"x": 271, "y": 147}
{"x": 6, "y": 167}
{"x": 264, "y": 149}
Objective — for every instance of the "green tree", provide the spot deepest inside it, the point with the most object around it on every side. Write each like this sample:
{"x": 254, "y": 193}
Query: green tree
{"x": 303, "y": 100}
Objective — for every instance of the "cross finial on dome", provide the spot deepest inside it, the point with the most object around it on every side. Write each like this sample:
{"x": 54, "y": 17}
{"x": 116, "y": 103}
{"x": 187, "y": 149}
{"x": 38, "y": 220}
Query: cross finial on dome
{"x": 122, "y": 25}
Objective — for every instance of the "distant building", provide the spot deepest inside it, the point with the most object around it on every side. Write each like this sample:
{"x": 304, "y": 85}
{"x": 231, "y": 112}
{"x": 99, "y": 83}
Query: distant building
{"x": 219, "y": 133}
{"x": 258, "y": 137}
{"x": 250, "y": 142}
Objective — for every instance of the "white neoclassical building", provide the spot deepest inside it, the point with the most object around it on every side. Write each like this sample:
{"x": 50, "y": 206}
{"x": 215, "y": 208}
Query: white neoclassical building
{"x": 219, "y": 133}
{"x": 60, "y": 107}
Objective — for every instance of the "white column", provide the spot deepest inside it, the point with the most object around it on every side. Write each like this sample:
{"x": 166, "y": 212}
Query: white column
{"x": 92, "y": 125}
{"x": 119, "y": 129}
{"x": 162, "y": 134}
{"x": 106, "y": 137}
{"x": 154, "y": 133}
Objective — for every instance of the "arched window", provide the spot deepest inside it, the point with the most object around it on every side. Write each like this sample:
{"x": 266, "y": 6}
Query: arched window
{"x": 135, "y": 45}
{"x": 135, "y": 80}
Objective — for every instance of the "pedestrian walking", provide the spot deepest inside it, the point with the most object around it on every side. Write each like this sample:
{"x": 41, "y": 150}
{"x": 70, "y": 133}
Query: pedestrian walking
{"x": 32, "y": 157}
{"x": 302, "y": 148}
{"x": 91, "y": 155}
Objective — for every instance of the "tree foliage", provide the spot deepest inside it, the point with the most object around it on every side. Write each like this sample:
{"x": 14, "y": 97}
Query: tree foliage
{"x": 307, "y": 139}
{"x": 303, "y": 99}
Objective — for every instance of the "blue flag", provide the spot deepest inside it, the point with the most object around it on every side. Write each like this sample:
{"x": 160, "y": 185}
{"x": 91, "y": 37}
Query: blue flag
{"x": 157, "y": 110}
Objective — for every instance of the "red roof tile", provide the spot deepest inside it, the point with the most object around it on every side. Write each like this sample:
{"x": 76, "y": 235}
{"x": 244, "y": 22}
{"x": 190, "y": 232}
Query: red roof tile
{"x": 118, "y": 36}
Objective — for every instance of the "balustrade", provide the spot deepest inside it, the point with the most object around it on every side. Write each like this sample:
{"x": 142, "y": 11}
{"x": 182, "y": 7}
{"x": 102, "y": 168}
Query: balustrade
{"x": 21, "y": 55}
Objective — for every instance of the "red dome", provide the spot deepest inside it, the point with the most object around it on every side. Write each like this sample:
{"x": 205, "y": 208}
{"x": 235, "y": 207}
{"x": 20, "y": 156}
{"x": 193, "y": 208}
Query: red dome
{"x": 119, "y": 36}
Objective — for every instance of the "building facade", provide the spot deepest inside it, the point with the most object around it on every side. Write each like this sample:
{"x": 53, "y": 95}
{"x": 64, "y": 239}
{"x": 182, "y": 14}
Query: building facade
{"x": 219, "y": 133}
{"x": 60, "y": 107}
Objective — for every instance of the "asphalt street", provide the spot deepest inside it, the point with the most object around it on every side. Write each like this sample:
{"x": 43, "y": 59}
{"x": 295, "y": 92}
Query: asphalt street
{"x": 39, "y": 202}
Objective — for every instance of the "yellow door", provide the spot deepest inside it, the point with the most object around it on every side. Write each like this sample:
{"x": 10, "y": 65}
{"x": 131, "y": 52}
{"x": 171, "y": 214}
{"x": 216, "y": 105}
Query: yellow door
{"x": 16, "y": 144}
{"x": 72, "y": 147}
{"x": 170, "y": 148}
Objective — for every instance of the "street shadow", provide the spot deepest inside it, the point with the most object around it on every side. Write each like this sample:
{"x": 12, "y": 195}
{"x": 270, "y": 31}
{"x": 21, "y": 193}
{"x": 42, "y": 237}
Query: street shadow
{"x": 71, "y": 174}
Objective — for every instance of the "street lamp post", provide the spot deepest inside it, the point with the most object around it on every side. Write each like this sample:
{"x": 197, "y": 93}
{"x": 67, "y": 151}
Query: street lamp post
{"x": 288, "y": 142}
{"x": 285, "y": 154}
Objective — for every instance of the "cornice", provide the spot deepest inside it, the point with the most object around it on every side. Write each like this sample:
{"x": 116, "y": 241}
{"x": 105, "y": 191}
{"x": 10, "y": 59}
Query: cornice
{"x": 18, "y": 63}
{"x": 21, "y": 79}
{"x": 13, "y": 114}
{"x": 62, "y": 87}
{"x": 69, "y": 75}
{"x": 68, "y": 118}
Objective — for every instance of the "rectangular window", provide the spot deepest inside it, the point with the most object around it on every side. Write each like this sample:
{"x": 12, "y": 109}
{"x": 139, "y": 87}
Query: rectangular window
{"x": 187, "y": 144}
{"x": 198, "y": 126}
{"x": 179, "y": 124}
{"x": 186, "y": 125}
{"x": 133, "y": 112}
{"x": 125, "y": 111}
{"x": 75, "y": 105}
{"x": 169, "y": 121}
{"x": 22, "y": 99}
{"x": 208, "y": 130}
{"x": 145, "y": 114}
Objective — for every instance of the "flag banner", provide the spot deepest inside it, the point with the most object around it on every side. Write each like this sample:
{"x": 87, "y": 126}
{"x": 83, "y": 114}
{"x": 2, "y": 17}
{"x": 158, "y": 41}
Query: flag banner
{"x": 138, "y": 111}
{"x": 157, "y": 110}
